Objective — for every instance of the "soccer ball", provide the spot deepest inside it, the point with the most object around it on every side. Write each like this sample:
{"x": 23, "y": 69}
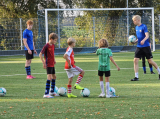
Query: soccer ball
{"x": 132, "y": 39}
{"x": 62, "y": 91}
{"x": 2, "y": 91}
{"x": 85, "y": 92}
{"x": 55, "y": 89}
{"x": 112, "y": 91}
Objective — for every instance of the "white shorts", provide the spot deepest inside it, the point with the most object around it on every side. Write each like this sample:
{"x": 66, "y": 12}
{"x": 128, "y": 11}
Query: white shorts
{"x": 73, "y": 71}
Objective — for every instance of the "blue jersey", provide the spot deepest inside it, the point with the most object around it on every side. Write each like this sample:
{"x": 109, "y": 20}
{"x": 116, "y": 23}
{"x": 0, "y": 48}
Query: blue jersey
{"x": 28, "y": 34}
{"x": 140, "y": 32}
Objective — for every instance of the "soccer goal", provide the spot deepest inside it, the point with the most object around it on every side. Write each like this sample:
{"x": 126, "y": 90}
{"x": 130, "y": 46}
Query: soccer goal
{"x": 88, "y": 26}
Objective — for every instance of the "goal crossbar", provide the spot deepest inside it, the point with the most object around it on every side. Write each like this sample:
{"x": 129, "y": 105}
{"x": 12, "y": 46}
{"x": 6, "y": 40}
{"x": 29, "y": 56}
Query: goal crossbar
{"x": 100, "y": 9}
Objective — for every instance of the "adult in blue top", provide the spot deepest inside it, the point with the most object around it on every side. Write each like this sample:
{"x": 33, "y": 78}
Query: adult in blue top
{"x": 143, "y": 46}
{"x": 29, "y": 48}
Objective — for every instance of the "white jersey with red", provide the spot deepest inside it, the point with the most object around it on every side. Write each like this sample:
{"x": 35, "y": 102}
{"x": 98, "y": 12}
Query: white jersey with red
{"x": 70, "y": 54}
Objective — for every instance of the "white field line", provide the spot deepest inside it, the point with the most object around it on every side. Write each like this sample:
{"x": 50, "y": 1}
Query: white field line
{"x": 60, "y": 72}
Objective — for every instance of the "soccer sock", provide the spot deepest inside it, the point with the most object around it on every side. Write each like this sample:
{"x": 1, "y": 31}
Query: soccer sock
{"x": 102, "y": 86}
{"x": 136, "y": 75}
{"x": 53, "y": 85}
{"x": 107, "y": 88}
{"x": 69, "y": 88}
{"x": 151, "y": 68}
{"x": 79, "y": 79}
{"x": 28, "y": 70}
{"x": 144, "y": 69}
{"x": 47, "y": 87}
{"x": 158, "y": 70}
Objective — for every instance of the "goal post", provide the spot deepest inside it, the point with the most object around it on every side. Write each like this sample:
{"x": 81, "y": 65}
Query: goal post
{"x": 99, "y": 9}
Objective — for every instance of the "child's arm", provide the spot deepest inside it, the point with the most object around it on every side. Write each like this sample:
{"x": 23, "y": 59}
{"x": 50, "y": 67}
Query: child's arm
{"x": 26, "y": 45}
{"x": 112, "y": 60}
{"x": 66, "y": 57}
{"x": 41, "y": 57}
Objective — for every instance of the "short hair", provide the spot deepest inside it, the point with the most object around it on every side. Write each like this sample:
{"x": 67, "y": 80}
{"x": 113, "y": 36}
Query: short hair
{"x": 53, "y": 36}
{"x": 70, "y": 41}
{"x": 103, "y": 43}
{"x": 137, "y": 17}
{"x": 29, "y": 22}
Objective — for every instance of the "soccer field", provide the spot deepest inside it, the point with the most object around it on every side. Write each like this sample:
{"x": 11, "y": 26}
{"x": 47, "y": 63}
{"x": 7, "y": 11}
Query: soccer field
{"x": 24, "y": 98}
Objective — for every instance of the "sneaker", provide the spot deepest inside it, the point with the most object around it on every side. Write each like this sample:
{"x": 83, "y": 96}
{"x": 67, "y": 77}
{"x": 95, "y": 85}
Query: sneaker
{"x": 135, "y": 79}
{"x": 77, "y": 86}
{"x": 152, "y": 72}
{"x": 108, "y": 96}
{"x": 111, "y": 96}
{"x": 70, "y": 95}
{"x": 102, "y": 95}
{"x": 29, "y": 77}
{"x": 53, "y": 94}
{"x": 47, "y": 96}
{"x": 33, "y": 77}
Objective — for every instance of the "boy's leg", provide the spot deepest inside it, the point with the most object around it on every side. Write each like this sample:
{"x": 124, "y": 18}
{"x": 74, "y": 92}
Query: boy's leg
{"x": 107, "y": 85}
{"x": 101, "y": 86}
{"x": 49, "y": 78}
{"x": 136, "y": 67}
{"x": 70, "y": 95}
{"x": 151, "y": 68}
{"x": 155, "y": 65}
{"x": 144, "y": 64}
{"x": 28, "y": 69}
{"x": 76, "y": 71}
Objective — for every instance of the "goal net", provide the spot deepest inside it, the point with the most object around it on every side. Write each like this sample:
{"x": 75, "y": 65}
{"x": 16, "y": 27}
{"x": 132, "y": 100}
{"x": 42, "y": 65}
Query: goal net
{"x": 88, "y": 26}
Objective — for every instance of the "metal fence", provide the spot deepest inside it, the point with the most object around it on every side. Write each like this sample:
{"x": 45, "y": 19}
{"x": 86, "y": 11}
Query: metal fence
{"x": 11, "y": 31}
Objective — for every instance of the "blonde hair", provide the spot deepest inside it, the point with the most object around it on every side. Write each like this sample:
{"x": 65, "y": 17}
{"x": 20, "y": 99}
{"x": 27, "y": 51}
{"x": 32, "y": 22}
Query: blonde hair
{"x": 29, "y": 22}
{"x": 70, "y": 41}
{"x": 53, "y": 36}
{"x": 103, "y": 43}
{"x": 137, "y": 17}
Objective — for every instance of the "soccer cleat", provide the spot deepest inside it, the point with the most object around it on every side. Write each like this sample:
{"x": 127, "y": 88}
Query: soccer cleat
{"x": 135, "y": 79}
{"x": 111, "y": 96}
{"x": 102, "y": 95}
{"x": 29, "y": 77}
{"x": 77, "y": 86}
{"x": 48, "y": 96}
{"x": 53, "y": 94}
{"x": 33, "y": 77}
{"x": 144, "y": 72}
{"x": 108, "y": 96}
{"x": 70, "y": 95}
{"x": 152, "y": 72}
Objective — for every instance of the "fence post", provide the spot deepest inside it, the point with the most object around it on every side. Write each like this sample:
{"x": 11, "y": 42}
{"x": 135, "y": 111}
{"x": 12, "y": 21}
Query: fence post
{"x": 94, "y": 30}
{"x": 21, "y": 33}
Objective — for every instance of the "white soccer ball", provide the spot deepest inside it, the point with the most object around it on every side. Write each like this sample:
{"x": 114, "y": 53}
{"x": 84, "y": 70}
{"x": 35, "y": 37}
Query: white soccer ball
{"x": 85, "y": 92}
{"x": 62, "y": 91}
{"x": 55, "y": 89}
{"x": 112, "y": 91}
{"x": 2, "y": 91}
{"x": 132, "y": 38}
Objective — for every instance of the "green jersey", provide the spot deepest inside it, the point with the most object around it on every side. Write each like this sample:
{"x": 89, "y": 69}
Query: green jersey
{"x": 104, "y": 59}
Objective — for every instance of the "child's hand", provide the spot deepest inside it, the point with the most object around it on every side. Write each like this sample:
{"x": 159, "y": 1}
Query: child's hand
{"x": 118, "y": 68}
{"x": 54, "y": 62}
{"x": 44, "y": 66}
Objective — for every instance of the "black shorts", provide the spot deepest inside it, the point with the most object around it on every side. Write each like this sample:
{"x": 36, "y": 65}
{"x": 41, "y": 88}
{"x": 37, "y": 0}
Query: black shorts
{"x": 29, "y": 56}
{"x": 50, "y": 70}
{"x": 145, "y": 52}
{"x": 107, "y": 73}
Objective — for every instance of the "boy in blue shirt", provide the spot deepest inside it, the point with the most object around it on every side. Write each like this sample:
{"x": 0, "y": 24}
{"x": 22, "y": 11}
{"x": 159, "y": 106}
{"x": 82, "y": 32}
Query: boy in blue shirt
{"x": 29, "y": 48}
{"x": 143, "y": 46}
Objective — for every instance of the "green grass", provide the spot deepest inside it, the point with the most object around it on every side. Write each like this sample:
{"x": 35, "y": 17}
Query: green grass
{"x": 24, "y": 100}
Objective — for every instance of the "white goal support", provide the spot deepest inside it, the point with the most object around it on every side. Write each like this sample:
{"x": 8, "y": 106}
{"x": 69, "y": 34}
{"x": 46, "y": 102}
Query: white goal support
{"x": 99, "y": 9}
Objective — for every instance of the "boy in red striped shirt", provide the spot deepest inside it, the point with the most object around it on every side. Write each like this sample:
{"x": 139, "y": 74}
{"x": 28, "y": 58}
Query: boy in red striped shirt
{"x": 48, "y": 64}
{"x": 71, "y": 68}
